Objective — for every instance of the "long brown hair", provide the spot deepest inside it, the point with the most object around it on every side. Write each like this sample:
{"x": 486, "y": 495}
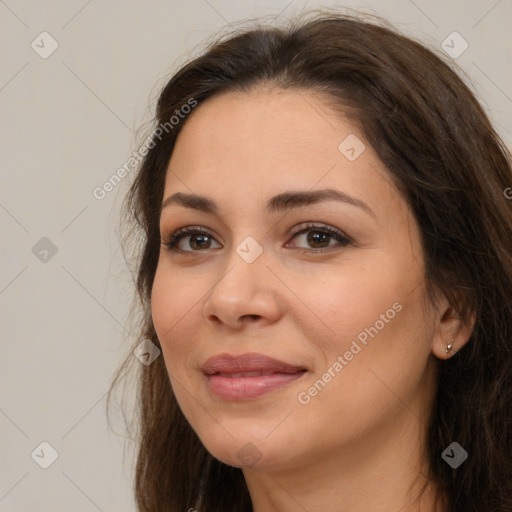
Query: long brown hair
{"x": 451, "y": 167}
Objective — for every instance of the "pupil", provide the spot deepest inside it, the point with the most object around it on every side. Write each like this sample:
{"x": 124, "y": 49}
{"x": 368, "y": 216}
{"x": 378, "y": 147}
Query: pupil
{"x": 196, "y": 237}
{"x": 316, "y": 237}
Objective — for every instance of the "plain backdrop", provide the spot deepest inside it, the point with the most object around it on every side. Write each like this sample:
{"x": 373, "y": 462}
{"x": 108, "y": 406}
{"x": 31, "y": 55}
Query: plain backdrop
{"x": 69, "y": 120}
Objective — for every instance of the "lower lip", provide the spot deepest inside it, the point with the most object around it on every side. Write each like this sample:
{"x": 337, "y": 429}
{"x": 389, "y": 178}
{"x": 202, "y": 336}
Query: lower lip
{"x": 245, "y": 388}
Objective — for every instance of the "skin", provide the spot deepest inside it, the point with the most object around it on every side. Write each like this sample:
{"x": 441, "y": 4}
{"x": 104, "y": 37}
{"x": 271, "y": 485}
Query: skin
{"x": 357, "y": 445}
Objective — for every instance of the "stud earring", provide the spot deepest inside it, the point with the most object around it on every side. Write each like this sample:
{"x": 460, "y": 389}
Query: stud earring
{"x": 449, "y": 347}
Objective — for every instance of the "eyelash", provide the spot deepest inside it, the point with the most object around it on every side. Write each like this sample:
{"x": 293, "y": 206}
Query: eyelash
{"x": 343, "y": 240}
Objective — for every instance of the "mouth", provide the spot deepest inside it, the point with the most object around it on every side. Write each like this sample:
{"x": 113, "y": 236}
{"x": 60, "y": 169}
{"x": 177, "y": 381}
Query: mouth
{"x": 248, "y": 376}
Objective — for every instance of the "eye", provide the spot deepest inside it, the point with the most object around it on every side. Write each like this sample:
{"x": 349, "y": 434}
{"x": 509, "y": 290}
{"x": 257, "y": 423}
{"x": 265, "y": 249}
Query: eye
{"x": 198, "y": 239}
{"x": 318, "y": 237}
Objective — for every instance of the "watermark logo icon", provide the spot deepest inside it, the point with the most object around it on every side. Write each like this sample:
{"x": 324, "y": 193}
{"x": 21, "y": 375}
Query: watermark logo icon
{"x": 44, "y": 45}
{"x": 44, "y": 250}
{"x": 146, "y": 352}
{"x": 249, "y": 455}
{"x": 44, "y": 455}
{"x": 454, "y": 455}
{"x": 351, "y": 147}
{"x": 249, "y": 249}
{"x": 454, "y": 45}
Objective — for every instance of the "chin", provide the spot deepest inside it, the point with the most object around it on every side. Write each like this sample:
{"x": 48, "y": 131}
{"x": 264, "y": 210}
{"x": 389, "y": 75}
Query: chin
{"x": 245, "y": 450}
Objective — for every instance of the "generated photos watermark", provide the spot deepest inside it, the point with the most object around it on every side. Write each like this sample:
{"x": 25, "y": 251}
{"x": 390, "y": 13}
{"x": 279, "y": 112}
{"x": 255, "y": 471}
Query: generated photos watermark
{"x": 100, "y": 192}
{"x": 304, "y": 397}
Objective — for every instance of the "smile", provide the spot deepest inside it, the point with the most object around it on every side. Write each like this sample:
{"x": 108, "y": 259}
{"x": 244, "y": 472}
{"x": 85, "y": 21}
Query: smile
{"x": 247, "y": 376}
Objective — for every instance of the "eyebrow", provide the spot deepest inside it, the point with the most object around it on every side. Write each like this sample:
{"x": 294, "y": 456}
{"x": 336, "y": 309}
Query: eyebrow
{"x": 279, "y": 203}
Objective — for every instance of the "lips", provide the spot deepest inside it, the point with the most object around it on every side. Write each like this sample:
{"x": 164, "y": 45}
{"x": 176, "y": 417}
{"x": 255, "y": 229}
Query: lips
{"x": 245, "y": 374}
{"x": 244, "y": 363}
{"x": 248, "y": 375}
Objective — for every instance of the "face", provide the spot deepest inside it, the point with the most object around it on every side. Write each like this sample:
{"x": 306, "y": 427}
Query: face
{"x": 331, "y": 286}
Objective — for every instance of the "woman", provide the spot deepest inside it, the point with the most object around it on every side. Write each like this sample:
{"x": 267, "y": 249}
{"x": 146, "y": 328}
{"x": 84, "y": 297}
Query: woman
{"x": 327, "y": 271}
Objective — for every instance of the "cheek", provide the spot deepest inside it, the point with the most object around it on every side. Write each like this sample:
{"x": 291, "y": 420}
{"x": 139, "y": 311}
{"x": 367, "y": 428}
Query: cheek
{"x": 373, "y": 380}
{"x": 374, "y": 320}
{"x": 380, "y": 353}
{"x": 352, "y": 303}
{"x": 172, "y": 303}
{"x": 171, "y": 312}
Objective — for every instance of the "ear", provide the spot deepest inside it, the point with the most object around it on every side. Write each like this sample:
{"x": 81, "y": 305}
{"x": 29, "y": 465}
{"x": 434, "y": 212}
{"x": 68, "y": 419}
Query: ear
{"x": 452, "y": 332}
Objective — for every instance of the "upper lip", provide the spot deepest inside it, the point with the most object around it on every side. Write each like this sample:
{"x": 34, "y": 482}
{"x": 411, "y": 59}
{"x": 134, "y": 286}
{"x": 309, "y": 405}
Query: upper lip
{"x": 250, "y": 362}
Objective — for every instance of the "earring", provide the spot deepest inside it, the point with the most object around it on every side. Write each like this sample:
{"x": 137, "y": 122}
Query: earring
{"x": 449, "y": 347}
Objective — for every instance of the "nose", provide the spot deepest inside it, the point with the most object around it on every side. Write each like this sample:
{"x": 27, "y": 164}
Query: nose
{"x": 245, "y": 293}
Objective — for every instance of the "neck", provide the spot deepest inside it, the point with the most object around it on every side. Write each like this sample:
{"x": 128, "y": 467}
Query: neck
{"x": 380, "y": 479}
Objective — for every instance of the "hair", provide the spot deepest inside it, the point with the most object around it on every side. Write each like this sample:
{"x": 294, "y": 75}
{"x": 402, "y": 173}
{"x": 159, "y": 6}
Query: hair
{"x": 451, "y": 167}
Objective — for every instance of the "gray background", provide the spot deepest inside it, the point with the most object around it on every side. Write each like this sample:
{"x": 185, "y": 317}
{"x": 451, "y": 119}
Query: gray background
{"x": 69, "y": 121}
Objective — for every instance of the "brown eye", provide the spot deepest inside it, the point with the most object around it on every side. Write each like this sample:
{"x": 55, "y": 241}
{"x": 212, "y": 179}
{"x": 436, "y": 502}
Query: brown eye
{"x": 198, "y": 239}
{"x": 319, "y": 237}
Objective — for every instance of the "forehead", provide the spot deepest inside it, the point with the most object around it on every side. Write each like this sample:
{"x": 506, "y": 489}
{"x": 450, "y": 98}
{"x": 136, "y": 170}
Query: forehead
{"x": 267, "y": 141}
{"x": 265, "y": 120}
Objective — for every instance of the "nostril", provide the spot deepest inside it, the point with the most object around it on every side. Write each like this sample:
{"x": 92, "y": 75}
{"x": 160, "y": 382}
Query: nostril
{"x": 252, "y": 317}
